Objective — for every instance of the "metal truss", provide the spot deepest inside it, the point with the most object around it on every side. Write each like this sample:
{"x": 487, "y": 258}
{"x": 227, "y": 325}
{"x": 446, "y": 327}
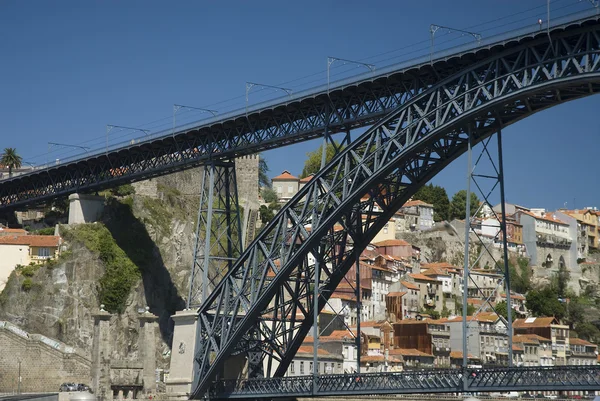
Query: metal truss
{"x": 352, "y": 104}
{"x": 268, "y": 290}
{"x": 218, "y": 231}
{"x": 556, "y": 378}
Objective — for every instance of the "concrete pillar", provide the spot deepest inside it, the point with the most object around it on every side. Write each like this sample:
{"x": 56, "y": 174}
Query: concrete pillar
{"x": 101, "y": 351}
{"x": 85, "y": 208}
{"x": 147, "y": 347}
{"x": 179, "y": 383}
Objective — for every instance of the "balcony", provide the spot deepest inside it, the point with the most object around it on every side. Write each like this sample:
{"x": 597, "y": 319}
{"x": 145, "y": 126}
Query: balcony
{"x": 40, "y": 258}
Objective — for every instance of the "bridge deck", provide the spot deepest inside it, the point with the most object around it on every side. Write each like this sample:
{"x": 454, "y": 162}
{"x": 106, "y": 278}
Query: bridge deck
{"x": 351, "y": 103}
{"x": 534, "y": 379}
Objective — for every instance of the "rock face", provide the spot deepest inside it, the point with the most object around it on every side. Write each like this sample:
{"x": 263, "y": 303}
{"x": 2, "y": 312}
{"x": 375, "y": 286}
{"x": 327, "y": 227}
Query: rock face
{"x": 162, "y": 217}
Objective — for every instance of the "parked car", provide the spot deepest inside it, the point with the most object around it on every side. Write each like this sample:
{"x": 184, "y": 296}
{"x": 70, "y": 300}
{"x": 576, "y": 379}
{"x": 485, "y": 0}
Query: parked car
{"x": 83, "y": 387}
{"x": 68, "y": 387}
{"x": 527, "y": 395}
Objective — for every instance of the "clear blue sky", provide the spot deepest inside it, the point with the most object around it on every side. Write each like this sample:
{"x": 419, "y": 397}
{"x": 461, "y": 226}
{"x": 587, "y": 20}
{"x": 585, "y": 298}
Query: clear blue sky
{"x": 71, "y": 67}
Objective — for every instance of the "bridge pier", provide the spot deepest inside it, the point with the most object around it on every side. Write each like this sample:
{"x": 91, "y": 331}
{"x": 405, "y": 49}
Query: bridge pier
{"x": 179, "y": 383}
{"x": 85, "y": 208}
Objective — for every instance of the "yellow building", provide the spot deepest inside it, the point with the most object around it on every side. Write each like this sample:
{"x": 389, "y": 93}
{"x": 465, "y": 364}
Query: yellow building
{"x": 23, "y": 250}
{"x": 588, "y": 219}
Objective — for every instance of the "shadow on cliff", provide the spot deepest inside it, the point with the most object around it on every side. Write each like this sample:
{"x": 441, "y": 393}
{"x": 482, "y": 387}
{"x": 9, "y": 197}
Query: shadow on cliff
{"x": 160, "y": 292}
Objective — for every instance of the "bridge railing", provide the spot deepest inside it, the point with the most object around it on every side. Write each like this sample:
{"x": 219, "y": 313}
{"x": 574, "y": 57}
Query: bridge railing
{"x": 432, "y": 381}
{"x": 394, "y": 68}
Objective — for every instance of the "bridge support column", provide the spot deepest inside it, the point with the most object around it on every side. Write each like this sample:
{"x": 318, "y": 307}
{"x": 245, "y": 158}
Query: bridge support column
{"x": 85, "y": 208}
{"x": 218, "y": 230}
{"x": 180, "y": 378}
{"x": 485, "y": 175}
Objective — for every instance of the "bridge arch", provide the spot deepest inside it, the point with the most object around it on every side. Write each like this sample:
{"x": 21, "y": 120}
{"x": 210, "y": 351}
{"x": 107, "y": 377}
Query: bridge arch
{"x": 265, "y": 302}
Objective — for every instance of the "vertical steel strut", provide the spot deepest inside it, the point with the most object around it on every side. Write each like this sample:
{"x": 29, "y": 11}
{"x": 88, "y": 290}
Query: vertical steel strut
{"x": 218, "y": 242}
{"x": 493, "y": 176}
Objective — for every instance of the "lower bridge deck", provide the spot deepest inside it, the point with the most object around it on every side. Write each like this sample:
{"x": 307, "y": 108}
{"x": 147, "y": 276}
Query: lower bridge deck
{"x": 530, "y": 379}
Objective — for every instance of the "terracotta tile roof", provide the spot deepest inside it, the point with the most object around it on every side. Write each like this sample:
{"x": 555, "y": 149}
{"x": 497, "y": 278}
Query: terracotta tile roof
{"x": 547, "y": 217}
{"x": 525, "y": 339}
{"x": 516, "y": 347}
{"x": 14, "y": 231}
{"x": 534, "y": 322}
{"x": 47, "y": 241}
{"x": 536, "y": 337}
{"x": 340, "y": 334}
{"x": 391, "y": 242}
{"x": 579, "y": 341}
{"x": 307, "y": 179}
{"x": 459, "y": 355}
{"x": 408, "y": 352}
{"x": 416, "y": 203}
{"x": 285, "y": 176}
{"x": 438, "y": 265}
{"x": 419, "y": 276}
{"x": 436, "y": 272}
{"x": 307, "y": 349}
{"x": 484, "y": 317}
{"x": 409, "y": 285}
{"x": 344, "y": 297}
{"x": 396, "y": 294}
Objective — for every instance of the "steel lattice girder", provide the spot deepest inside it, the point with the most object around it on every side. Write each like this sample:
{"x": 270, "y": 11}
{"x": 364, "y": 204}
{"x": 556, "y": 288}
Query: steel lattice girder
{"x": 218, "y": 230}
{"x": 355, "y": 104}
{"x": 556, "y": 378}
{"x": 268, "y": 289}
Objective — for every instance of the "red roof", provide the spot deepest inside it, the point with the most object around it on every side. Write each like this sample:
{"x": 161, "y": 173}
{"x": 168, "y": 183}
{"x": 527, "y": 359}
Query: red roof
{"x": 409, "y": 285}
{"x": 307, "y": 179}
{"x": 396, "y": 294}
{"x": 49, "y": 241}
{"x": 391, "y": 242}
{"x": 535, "y": 322}
{"x": 579, "y": 341}
{"x": 285, "y": 176}
{"x": 547, "y": 217}
{"x": 419, "y": 276}
{"x": 8, "y": 231}
{"x": 417, "y": 203}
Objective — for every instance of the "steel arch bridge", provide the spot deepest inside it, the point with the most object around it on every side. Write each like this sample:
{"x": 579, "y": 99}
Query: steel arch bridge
{"x": 264, "y": 306}
{"x": 352, "y": 103}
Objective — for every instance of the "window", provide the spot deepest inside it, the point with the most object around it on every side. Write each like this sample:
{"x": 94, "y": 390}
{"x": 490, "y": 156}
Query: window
{"x": 310, "y": 367}
{"x": 301, "y": 368}
{"x": 292, "y": 367}
{"x": 279, "y": 189}
{"x": 44, "y": 252}
{"x": 290, "y": 188}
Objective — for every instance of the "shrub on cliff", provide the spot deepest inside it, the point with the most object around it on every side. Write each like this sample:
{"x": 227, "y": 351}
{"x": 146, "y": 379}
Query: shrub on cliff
{"x": 121, "y": 273}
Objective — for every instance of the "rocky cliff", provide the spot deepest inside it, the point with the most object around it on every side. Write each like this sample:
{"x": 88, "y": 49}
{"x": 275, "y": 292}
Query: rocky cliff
{"x": 142, "y": 248}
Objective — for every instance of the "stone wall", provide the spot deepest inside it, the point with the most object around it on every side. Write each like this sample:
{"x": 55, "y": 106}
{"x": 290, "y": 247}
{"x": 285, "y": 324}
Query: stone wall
{"x": 45, "y": 363}
{"x": 85, "y": 208}
{"x": 246, "y": 171}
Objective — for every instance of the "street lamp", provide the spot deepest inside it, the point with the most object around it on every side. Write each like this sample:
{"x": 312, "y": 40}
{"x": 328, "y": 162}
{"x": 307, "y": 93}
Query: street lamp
{"x": 109, "y": 128}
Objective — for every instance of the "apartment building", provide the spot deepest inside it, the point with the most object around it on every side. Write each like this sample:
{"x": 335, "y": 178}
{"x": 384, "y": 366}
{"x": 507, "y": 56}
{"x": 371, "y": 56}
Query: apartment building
{"x": 487, "y": 337}
{"x": 285, "y": 186}
{"x": 430, "y": 291}
{"x": 418, "y": 215}
{"x": 547, "y": 327}
{"x": 428, "y": 336}
{"x": 582, "y": 352}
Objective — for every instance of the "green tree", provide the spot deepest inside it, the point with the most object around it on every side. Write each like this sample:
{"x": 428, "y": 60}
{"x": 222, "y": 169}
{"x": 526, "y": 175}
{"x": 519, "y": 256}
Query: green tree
{"x": 313, "y": 161}
{"x": 588, "y": 331}
{"x": 436, "y": 196}
{"x": 502, "y": 309}
{"x": 560, "y": 281}
{"x": 471, "y": 309}
{"x": 269, "y": 195}
{"x": 576, "y": 314}
{"x": 544, "y": 302}
{"x": 11, "y": 159}
{"x": 458, "y": 205}
{"x": 445, "y": 311}
{"x": 263, "y": 177}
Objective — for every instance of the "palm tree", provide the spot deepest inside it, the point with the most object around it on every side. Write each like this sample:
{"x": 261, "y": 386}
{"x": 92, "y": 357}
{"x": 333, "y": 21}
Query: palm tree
{"x": 11, "y": 159}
